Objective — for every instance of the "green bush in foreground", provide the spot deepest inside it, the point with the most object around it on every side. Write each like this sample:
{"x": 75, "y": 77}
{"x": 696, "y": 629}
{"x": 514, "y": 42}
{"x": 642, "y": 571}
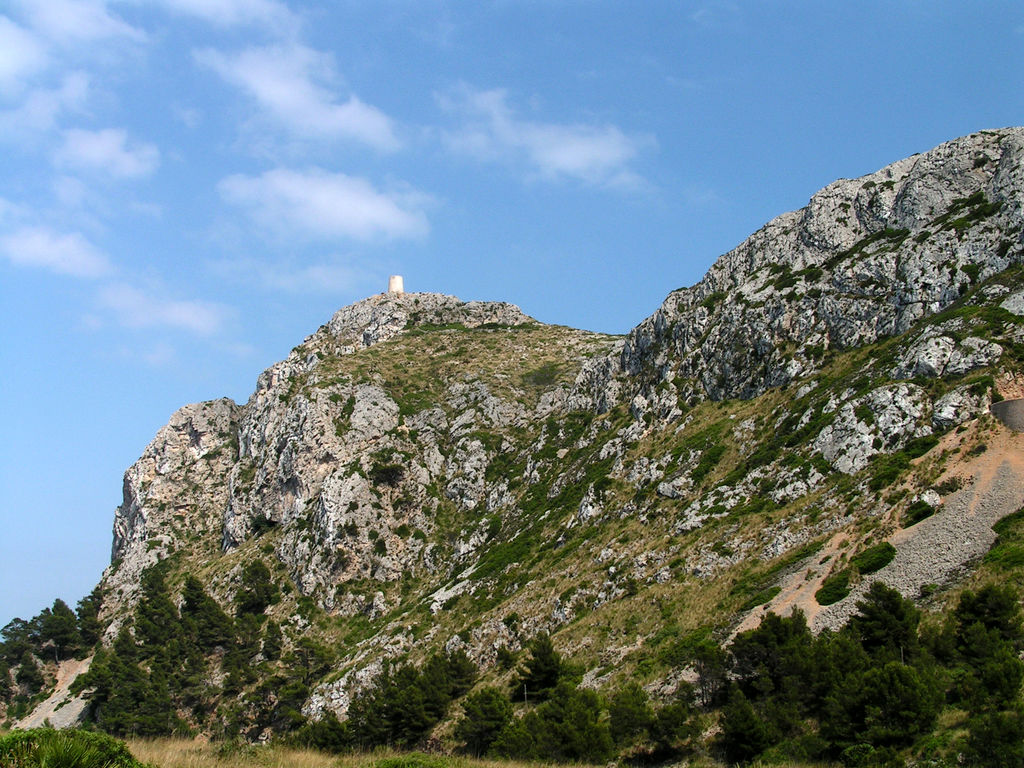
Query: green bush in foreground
{"x": 48, "y": 748}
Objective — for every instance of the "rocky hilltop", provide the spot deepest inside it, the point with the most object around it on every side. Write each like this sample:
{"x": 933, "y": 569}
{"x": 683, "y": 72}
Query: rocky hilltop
{"x": 424, "y": 473}
{"x": 865, "y": 259}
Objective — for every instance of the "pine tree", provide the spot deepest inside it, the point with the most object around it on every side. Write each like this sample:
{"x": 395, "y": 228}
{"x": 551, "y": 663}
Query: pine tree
{"x": 273, "y": 641}
{"x": 711, "y": 663}
{"x": 516, "y": 739}
{"x": 772, "y": 661}
{"x": 29, "y": 676}
{"x": 996, "y": 740}
{"x": 5, "y": 681}
{"x": 744, "y": 735}
{"x": 629, "y": 714}
{"x": 569, "y": 727}
{"x": 886, "y": 625}
{"x": 211, "y": 627}
{"x": 59, "y": 626}
{"x": 541, "y": 672}
{"x": 885, "y": 706}
{"x": 156, "y": 618}
{"x": 486, "y": 714}
{"x": 257, "y": 590}
{"x": 18, "y": 637}
{"x": 462, "y": 673}
{"x": 89, "y": 627}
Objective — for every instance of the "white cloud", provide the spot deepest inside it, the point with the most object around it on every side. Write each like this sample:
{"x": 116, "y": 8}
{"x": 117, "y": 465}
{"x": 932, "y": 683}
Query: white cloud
{"x": 107, "y": 151}
{"x": 134, "y": 308}
{"x": 10, "y": 212}
{"x": 291, "y": 84}
{"x": 228, "y": 13}
{"x": 190, "y": 118}
{"x": 40, "y": 109}
{"x": 595, "y": 154}
{"x": 21, "y": 54}
{"x": 159, "y": 355}
{"x": 716, "y": 13}
{"x": 321, "y": 205}
{"x": 64, "y": 254}
{"x": 71, "y": 192}
{"x": 323, "y": 277}
{"x": 77, "y": 21}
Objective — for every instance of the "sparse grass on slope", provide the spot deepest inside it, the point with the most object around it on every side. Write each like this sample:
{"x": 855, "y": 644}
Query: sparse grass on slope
{"x": 180, "y": 753}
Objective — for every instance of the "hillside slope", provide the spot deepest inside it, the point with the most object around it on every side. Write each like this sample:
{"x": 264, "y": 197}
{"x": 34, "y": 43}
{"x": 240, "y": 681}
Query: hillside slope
{"x": 423, "y": 474}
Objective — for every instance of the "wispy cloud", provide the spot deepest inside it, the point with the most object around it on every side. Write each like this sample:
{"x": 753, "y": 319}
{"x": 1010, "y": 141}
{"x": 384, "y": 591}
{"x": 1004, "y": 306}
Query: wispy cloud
{"x": 230, "y": 13}
{"x": 293, "y": 85}
{"x": 40, "y": 109}
{"x": 64, "y": 254}
{"x": 135, "y": 308}
{"x": 11, "y": 212}
{"x": 715, "y": 13}
{"x": 158, "y": 355}
{"x": 70, "y": 22}
{"x": 107, "y": 151}
{"x": 321, "y": 277}
{"x": 21, "y": 54}
{"x": 595, "y": 154}
{"x": 317, "y": 204}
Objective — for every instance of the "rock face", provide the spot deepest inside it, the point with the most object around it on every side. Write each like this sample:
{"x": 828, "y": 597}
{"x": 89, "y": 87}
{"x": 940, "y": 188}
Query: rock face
{"x": 159, "y": 509}
{"x": 381, "y": 317}
{"x": 865, "y": 259}
{"x": 423, "y": 472}
{"x": 335, "y": 463}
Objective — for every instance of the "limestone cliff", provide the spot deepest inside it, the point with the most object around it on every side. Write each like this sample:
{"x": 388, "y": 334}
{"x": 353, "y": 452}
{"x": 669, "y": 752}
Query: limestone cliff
{"x": 865, "y": 259}
{"x": 422, "y": 472}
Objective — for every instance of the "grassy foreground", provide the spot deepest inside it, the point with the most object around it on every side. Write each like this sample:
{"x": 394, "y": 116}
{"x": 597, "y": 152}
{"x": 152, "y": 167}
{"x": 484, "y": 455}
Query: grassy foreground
{"x": 180, "y": 753}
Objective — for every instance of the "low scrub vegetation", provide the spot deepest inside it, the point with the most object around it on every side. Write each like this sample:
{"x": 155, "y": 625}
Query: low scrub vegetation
{"x": 48, "y": 748}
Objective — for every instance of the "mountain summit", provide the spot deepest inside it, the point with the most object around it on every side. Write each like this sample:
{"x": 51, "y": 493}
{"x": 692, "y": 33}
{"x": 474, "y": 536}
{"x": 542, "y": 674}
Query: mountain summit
{"x": 427, "y": 475}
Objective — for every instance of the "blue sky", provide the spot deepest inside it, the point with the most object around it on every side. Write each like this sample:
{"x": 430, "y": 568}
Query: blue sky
{"x": 190, "y": 187}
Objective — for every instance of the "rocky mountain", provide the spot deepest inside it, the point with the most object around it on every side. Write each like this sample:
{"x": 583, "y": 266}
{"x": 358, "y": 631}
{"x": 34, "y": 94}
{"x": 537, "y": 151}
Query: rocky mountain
{"x": 422, "y": 473}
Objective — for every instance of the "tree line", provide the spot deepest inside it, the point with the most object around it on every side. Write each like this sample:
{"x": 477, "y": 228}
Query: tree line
{"x": 55, "y": 634}
{"x": 864, "y": 695}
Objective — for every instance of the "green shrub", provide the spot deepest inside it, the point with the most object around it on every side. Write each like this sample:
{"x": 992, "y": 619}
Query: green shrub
{"x": 874, "y": 558}
{"x": 834, "y": 588}
{"x": 1005, "y": 555}
{"x": 387, "y": 474}
{"x": 486, "y": 713}
{"x": 709, "y": 460}
{"x": 713, "y": 299}
{"x": 917, "y": 512}
{"x": 886, "y": 468}
{"x": 47, "y": 748}
{"x": 544, "y": 376}
{"x": 919, "y": 446}
{"x": 760, "y": 598}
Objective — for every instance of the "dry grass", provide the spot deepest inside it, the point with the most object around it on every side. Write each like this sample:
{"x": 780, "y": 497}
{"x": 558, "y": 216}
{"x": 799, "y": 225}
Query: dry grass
{"x": 180, "y": 753}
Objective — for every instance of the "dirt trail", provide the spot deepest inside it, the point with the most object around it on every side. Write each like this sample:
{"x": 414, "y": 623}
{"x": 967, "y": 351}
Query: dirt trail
{"x": 62, "y": 709}
{"x": 935, "y": 551}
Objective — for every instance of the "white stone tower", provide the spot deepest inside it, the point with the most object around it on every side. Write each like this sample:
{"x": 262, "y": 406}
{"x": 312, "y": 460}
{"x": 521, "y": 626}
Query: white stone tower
{"x": 395, "y": 284}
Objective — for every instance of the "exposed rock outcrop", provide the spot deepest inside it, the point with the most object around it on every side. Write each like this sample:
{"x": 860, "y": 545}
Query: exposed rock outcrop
{"x": 424, "y": 473}
{"x": 864, "y": 260}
